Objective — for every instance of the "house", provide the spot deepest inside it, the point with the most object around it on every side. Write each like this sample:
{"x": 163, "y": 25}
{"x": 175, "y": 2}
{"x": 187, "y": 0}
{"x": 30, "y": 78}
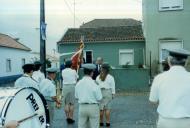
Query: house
{"x": 12, "y": 56}
{"x": 165, "y": 26}
{"x": 54, "y": 59}
{"x": 119, "y": 41}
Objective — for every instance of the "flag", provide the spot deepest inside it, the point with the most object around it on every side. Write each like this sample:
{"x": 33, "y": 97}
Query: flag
{"x": 77, "y": 58}
{"x": 43, "y": 30}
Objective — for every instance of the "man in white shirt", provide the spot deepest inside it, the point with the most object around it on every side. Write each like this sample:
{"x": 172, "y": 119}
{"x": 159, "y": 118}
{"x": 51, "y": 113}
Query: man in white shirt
{"x": 171, "y": 91}
{"x": 88, "y": 94}
{"x": 37, "y": 74}
{"x": 26, "y": 80}
{"x": 70, "y": 77}
{"x": 48, "y": 89}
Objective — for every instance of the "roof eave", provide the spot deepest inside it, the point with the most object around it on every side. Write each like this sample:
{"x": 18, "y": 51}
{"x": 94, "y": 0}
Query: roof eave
{"x": 17, "y": 48}
{"x": 98, "y": 41}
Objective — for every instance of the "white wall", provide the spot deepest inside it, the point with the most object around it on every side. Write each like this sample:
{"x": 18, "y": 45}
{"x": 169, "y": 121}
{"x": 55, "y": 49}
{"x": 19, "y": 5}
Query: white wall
{"x": 36, "y": 57}
{"x": 16, "y": 56}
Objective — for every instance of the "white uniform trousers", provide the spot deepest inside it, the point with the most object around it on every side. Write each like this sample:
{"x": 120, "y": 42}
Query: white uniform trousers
{"x": 88, "y": 116}
{"x": 173, "y": 122}
{"x": 51, "y": 106}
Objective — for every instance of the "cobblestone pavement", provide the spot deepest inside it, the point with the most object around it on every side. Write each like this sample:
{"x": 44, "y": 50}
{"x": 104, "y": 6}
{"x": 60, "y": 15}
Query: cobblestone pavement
{"x": 128, "y": 111}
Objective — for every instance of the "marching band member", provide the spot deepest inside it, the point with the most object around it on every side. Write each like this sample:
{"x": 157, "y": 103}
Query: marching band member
{"x": 170, "y": 90}
{"x": 48, "y": 89}
{"x": 88, "y": 94}
{"x": 26, "y": 80}
{"x": 70, "y": 77}
{"x": 37, "y": 74}
{"x": 107, "y": 85}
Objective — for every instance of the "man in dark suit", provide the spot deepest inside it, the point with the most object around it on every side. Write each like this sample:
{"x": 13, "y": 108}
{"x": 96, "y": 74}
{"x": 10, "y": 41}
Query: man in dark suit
{"x": 99, "y": 62}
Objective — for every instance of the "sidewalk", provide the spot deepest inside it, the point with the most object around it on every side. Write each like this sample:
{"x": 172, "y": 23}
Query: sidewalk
{"x": 128, "y": 111}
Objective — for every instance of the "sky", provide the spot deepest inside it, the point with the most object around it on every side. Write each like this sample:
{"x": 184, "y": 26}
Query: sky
{"x": 20, "y": 18}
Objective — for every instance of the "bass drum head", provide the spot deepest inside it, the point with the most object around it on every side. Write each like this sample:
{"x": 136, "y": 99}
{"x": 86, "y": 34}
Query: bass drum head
{"x": 25, "y": 103}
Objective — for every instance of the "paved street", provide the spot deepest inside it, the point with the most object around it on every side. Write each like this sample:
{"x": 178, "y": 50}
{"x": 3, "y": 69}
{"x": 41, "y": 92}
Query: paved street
{"x": 129, "y": 111}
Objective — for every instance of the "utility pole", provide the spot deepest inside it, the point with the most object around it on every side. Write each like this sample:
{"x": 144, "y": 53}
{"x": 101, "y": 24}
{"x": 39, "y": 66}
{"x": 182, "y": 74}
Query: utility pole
{"x": 42, "y": 36}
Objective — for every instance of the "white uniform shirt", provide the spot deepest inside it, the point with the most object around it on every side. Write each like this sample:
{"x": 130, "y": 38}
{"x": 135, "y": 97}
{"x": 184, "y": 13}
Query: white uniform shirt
{"x": 26, "y": 81}
{"x": 47, "y": 88}
{"x": 172, "y": 90}
{"x": 87, "y": 91}
{"x": 38, "y": 76}
{"x": 69, "y": 76}
{"x": 108, "y": 83}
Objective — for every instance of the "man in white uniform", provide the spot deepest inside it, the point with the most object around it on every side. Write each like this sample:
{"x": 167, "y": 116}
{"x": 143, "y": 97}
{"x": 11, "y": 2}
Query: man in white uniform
{"x": 26, "y": 80}
{"x": 48, "y": 89}
{"x": 171, "y": 91}
{"x": 70, "y": 77}
{"x": 37, "y": 74}
{"x": 88, "y": 94}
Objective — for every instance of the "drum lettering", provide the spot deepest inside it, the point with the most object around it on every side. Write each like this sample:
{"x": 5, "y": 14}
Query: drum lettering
{"x": 33, "y": 101}
{"x": 35, "y": 106}
{"x": 41, "y": 119}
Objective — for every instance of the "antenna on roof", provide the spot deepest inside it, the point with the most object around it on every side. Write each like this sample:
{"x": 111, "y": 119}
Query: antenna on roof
{"x": 74, "y": 14}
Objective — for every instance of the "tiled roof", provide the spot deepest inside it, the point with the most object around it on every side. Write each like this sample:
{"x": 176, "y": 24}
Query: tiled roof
{"x": 103, "y": 34}
{"x": 96, "y": 23}
{"x": 7, "y": 41}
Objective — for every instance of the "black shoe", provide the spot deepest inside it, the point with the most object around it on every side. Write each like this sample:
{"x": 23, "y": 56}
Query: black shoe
{"x": 67, "y": 120}
{"x": 71, "y": 121}
{"x": 107, "y": 124}
{"x": 101, "y": 124}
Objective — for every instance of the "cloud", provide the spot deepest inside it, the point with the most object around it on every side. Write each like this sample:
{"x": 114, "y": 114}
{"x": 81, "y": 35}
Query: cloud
{"x": 19, "y": 18}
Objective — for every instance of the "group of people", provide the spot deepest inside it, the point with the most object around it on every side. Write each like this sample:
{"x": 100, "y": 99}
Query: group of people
{"x": 34, "y": 78}
{"x": 170, "y": 90}
{"x": 94, "y": 92}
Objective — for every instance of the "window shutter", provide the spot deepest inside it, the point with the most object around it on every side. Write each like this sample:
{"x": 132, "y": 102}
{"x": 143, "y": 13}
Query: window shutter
{"x": 165, "y": 5}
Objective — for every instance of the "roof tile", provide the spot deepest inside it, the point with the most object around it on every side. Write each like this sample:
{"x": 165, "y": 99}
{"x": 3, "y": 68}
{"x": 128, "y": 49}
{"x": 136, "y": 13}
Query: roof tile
{"x": 7, "y": 41}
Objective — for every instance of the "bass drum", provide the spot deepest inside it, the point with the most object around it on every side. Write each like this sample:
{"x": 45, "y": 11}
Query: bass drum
{"x": 25, "y": 105}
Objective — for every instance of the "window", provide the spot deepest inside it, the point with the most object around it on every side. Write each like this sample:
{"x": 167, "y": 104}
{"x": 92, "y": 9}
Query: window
{"x": 165, "y": 5}
{"x": 8, "y": 65}
{"x": 168, "y": 44}
{"x": 23, "y": 61}
{"x": 126, "y": 57}
{"x": 88, "y": 56}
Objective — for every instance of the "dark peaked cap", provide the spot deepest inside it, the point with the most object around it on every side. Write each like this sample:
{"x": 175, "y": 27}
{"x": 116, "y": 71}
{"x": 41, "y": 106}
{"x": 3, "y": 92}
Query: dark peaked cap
{"x": 68, "y": 63}
{"x": 179, "y": 53}
{"x": 28, "y": 67}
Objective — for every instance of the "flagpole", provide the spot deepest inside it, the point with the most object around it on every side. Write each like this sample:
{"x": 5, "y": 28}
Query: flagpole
{"x": 42, "y": 36}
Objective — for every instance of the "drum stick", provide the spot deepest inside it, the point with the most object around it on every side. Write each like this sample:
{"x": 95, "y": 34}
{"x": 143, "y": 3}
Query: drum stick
{"x": 38, "y": 113}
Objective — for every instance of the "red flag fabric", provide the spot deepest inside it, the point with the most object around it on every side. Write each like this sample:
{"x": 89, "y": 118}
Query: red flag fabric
{"x": 77, "y": 57}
